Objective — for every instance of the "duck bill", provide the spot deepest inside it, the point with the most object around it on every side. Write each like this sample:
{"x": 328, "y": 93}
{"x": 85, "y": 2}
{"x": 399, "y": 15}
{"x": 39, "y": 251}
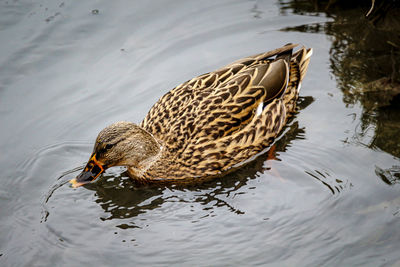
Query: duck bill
{"x": 91, "y": 172}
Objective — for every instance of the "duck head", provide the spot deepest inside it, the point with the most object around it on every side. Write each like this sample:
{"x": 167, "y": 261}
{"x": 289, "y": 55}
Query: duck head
{"x": 120, "y": 144}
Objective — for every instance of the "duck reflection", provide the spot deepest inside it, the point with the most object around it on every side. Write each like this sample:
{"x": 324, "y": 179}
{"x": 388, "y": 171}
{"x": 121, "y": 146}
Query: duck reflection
{"x": 121, "y": 198}
{"x": 365, "y": 60}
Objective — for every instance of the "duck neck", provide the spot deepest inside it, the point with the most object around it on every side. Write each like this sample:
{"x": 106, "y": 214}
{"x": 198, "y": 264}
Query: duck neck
{"x": 148, "y": 151}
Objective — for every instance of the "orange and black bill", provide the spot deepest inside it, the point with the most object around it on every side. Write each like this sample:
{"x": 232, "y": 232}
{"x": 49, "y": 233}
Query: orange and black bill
{"x": 91, "y": 172}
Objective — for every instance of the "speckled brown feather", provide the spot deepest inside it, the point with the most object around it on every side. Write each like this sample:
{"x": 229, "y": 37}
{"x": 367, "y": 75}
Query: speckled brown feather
{"x": 209, "y": 124}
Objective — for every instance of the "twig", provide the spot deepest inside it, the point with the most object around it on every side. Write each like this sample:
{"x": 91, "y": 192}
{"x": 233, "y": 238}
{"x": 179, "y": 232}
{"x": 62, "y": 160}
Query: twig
{"x": 372, "y": 8}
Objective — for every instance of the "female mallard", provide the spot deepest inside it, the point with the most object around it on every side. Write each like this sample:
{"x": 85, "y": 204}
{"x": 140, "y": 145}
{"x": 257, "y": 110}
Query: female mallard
{"x": 206, "y": 126}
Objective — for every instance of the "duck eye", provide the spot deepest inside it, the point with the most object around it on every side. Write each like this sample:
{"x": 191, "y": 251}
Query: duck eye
{"x": 108, "y": 146}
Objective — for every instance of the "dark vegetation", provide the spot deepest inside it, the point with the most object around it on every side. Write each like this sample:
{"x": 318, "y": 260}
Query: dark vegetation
{"x": 365, "y": 61}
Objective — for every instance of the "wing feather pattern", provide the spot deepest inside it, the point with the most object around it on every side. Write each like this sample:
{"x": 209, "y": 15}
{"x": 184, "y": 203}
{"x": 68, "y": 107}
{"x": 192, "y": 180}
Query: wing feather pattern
{"x": 210, "y": 123}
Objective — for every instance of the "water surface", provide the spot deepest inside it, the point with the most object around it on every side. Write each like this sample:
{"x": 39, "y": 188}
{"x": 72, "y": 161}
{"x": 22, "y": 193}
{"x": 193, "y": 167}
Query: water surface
{"x": 329, "y": 195}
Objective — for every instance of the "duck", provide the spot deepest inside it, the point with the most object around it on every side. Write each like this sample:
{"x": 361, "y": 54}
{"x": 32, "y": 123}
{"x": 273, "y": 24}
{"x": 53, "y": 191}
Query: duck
{"x": 208, "y": 125}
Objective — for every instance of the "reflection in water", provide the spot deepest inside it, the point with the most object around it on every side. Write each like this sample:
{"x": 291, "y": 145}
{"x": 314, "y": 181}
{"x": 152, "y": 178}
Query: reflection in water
{"x": 390, "y": 176}
{"x": 324, "y": 177}
{"x": 365, "y": 58}
{"x": 256, "y": 11}
{"x": 387, "y": 121}
{"x": 121, "y": 199}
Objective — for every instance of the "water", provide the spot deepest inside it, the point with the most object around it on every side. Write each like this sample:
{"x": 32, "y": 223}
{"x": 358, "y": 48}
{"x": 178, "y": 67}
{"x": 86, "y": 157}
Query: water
{"x": 328, "y": 195}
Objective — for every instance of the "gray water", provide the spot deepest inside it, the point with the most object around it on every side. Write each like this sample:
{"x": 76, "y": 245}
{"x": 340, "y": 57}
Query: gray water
{"x": 328, "y": 196}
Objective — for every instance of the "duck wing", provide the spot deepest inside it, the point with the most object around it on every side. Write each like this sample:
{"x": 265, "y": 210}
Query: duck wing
{"x": 219, "y": 120}
{"x": 218, "y": 103}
